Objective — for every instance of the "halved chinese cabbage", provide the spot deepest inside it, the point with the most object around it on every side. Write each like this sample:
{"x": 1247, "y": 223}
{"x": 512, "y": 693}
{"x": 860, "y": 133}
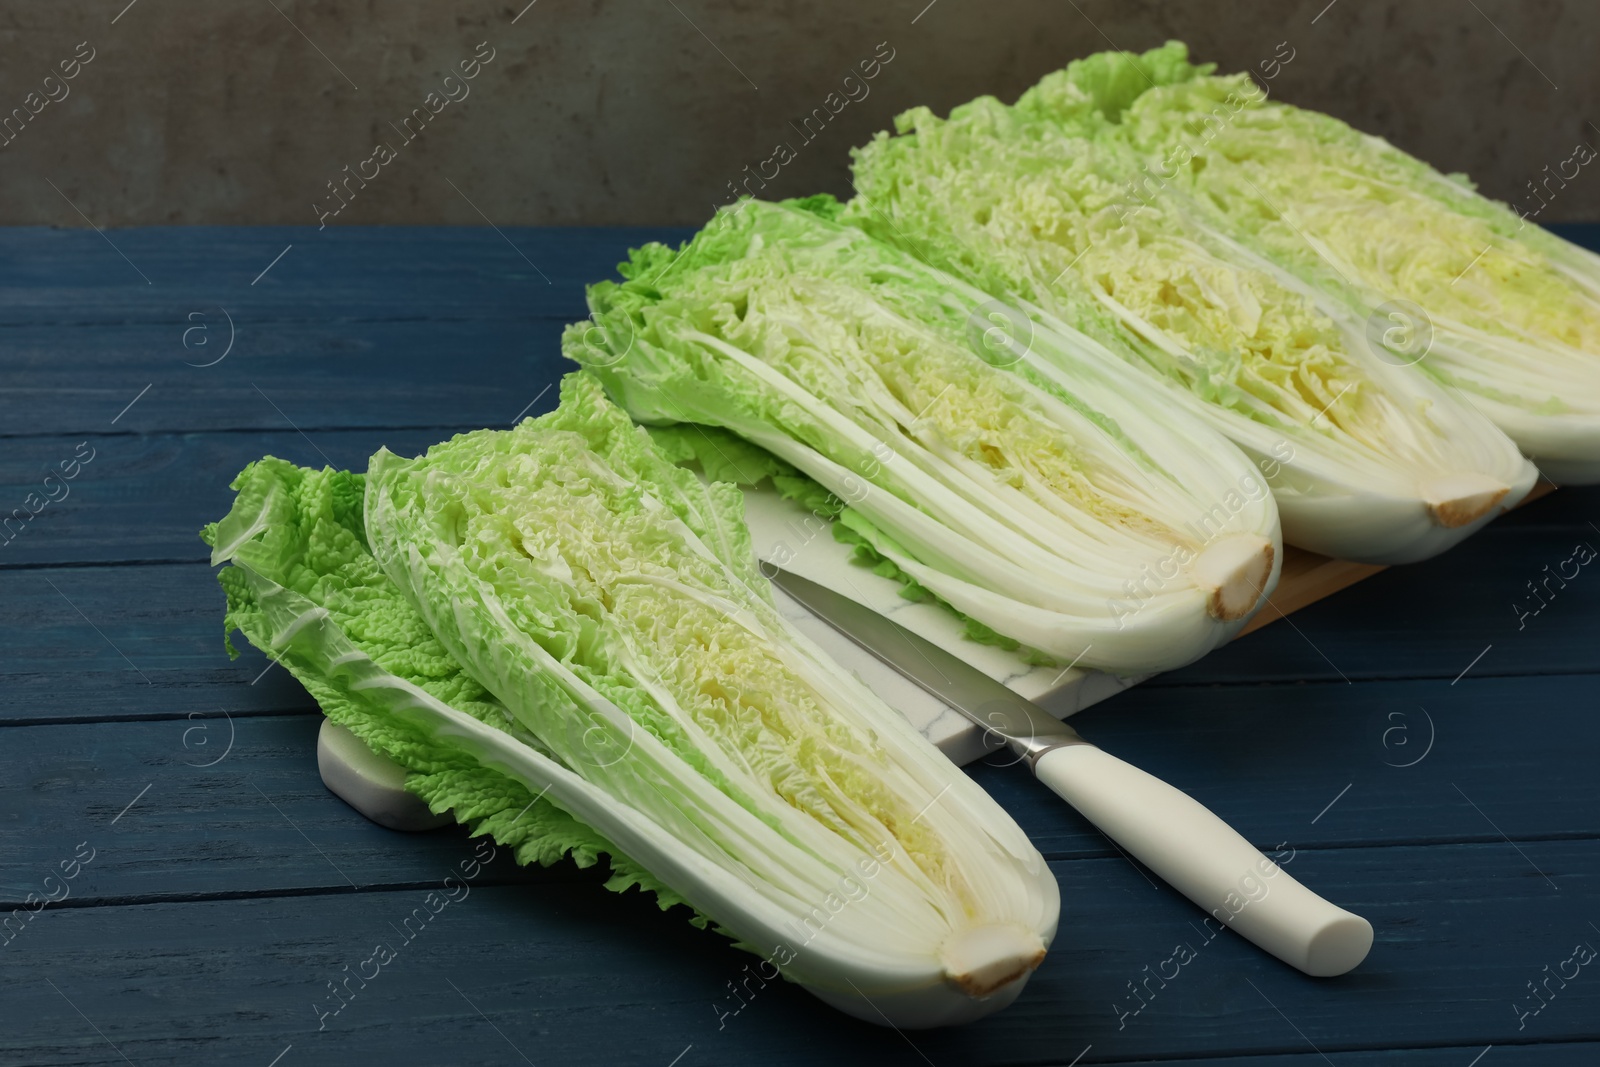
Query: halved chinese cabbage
{"x": 1488, "y": 303}
{"x": 1063, "y": 503}
{"x": 1046, "y": 205}
{"x": 1505, "y": 312}
{"x": 621, "y": 659}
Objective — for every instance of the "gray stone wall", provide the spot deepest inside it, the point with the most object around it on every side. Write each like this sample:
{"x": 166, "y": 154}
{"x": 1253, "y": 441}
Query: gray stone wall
{"x": 600, "y": 112}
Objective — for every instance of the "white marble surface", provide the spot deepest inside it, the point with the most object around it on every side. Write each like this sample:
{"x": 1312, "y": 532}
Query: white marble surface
{"x": 787, "y": 534}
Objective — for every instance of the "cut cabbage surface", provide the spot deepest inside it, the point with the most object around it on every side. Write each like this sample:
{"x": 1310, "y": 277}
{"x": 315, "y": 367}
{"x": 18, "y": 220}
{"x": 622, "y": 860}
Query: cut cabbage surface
{"x": 1046, "y": 204}
{"x": 1020, "y": 473}
{"x": 1465, "y": 288}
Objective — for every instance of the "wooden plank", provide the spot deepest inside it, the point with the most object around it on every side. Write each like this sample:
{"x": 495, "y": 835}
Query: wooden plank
{"x": 202, "y": 808}
{"x": 57, "y": 276}
{"x": 234, "y": 804}
{"x": 568, "y": 973}
{"x": 1457, "y": 928}
{"x": 145, "y": 497}
{"x": 345, "y": 375}
{"x": 1332, "y": 765}
{"x": 127, "y": 642}
{"x": 60, "y": 276}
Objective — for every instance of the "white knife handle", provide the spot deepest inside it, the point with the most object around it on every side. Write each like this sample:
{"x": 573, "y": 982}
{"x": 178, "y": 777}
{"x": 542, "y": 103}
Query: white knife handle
{"x": 1206, "y": 860}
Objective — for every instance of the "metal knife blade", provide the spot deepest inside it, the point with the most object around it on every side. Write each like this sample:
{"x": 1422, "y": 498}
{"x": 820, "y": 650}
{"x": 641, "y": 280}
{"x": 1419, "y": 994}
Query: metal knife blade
{"x": 1007, "y": 718}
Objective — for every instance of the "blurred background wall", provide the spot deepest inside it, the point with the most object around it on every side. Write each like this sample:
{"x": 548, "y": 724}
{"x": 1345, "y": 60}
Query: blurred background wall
{"x": 600, "y": 111}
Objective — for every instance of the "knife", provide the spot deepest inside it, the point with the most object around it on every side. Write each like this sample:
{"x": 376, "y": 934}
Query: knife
{"x": 1175, "y": 835}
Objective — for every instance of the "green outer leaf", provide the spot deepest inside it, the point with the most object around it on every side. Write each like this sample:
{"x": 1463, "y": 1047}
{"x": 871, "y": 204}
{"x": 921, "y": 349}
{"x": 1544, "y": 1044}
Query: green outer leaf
{"x": 295, "y": 539}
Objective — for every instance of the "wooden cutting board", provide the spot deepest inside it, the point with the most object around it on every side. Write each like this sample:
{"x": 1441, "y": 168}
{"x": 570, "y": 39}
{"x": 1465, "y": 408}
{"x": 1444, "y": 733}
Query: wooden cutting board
{"x": 785, "y": 532}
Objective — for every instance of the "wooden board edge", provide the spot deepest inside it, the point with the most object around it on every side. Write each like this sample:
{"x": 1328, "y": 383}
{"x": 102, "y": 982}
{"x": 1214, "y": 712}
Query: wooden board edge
{"x": 1307, "y": 577}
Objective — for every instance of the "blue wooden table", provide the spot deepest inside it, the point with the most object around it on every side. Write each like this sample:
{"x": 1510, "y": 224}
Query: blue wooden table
{"x": 179, "y": 888}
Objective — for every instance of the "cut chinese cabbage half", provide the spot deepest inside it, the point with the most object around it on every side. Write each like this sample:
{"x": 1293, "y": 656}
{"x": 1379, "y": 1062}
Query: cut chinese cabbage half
{"x": 1062, "y": 502}
{"x": 563, "y": 637}
{"x": 1367, "y": 460}
{"x": 1483, "y": 300}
